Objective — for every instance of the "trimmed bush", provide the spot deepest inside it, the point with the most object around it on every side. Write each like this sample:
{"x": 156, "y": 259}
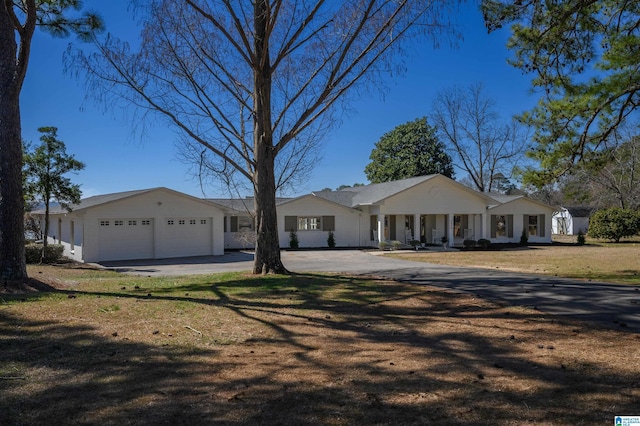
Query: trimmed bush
{"x": 469, "y": 243}
{"x": 614, "y": 223}
{"x": 382, "y": 245}
{"x": 524, "y": 238}
{"x": 33, "y": 253}
{"x": 331, "y": 240}
{"x": 484, "y": 243}
{"x": 581, "y": 239}
{"x": 293, "y": 240}
{"x": 396, "y": 244}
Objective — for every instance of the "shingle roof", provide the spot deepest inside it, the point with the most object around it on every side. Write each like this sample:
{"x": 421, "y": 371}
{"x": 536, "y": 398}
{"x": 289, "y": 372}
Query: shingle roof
{"x": 580, "y": 211}
{"x": 96, "y": 200}
{"x": 241, "y": 204}
{"x": 371, "y": 194}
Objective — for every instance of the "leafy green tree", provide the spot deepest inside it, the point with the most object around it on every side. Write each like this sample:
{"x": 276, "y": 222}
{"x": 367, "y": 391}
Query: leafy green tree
{"x": 584, "y": 57}
{"x": 18, "y": 21}
{"x": 614, "y": 223}
{"x": 411, "y": 149}
{"x": 45, "y": 168}
{"x": 252, "y": 85}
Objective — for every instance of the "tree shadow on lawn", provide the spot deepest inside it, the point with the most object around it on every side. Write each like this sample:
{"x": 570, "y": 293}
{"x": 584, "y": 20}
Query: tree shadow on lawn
{"x": 335, "y": 350}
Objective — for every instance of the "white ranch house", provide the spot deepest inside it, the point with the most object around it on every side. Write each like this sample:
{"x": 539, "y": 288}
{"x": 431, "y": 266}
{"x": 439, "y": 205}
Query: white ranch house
{"x": 161, "y": 223}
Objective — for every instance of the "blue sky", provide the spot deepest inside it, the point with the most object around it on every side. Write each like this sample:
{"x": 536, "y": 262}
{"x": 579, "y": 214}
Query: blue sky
{"x": 118, "y": 158}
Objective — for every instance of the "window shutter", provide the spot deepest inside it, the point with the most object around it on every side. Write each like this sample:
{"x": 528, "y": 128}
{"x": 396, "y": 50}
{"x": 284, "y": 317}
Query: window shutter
{"x": 328, "y": 223}
{"x": 510, "y": 225}
{"x": 525, "y": 223}
{"x": 392, "y": 226}
{"x": 541, "y": 226}
{"x": 225, "y": 224}
{"x": 290, "y": 223}
{"x": 494, "y": 225}
{"x": 234, "y": 223}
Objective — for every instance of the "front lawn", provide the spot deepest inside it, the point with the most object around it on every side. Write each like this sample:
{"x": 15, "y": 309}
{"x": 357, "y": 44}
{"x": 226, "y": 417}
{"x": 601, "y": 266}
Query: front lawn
{"x": 596, "y": 261}
{"x": 111, "y": 349}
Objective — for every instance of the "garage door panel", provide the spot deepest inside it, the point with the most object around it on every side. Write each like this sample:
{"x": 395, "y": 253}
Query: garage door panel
{"x": 187, "y": 236}
{"x": 127, "y": 238}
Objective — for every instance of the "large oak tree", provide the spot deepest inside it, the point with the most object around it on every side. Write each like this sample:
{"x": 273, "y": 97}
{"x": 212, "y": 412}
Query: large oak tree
{"x": 250, "y": 84}
{"x": 18, "y": 21}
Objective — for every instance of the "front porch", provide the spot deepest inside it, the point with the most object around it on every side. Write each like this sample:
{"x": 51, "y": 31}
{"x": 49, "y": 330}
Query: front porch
{"x": 429, "y": 229}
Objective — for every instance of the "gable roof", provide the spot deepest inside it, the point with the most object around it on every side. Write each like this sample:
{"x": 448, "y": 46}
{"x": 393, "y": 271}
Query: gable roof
{"x": 97, "y": 200}
{"x": 503, "y": 199}
{"x": 576, "y": 211}
{"x": 377, "y": 192}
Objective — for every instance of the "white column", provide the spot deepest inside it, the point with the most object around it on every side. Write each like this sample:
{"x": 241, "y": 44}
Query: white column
{"x": 380, "y": 227}
{"x": 449, "y": 230}
{"x": 485, "y": 227}
{"x": 416, "y": 227}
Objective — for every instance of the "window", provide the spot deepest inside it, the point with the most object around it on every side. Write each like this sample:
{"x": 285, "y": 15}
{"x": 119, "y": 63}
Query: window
{"x": 310, "y": 223}
{"x": 181, "y": 222}
{"x": 104, "y": 223}
{"x": 192, "y": 221}
{"x": 203, "y": 221}
{"x": 533, "y": 226}
{"x": 502, "y": 226}
{"x": 145, "y": 222}
{"x": 118, "y": 222}
{"x": 170, "y": 222}
{"x": 240, "y": 224}
{"x": 133, "y": 222}
{"x": 457, "y": 226}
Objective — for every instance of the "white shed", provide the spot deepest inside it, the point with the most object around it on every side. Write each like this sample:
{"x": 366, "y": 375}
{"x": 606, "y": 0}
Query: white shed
{"x": 571, "y": 220}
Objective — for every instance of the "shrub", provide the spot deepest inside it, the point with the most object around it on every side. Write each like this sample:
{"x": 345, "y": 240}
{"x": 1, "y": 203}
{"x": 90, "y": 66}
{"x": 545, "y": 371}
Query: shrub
{"x": 414, "y": 243}
{"x": 444, "y": 240}
{"x": 524, "y": 238}
{"x": 293, "y": 240}
{"x": 581, "y": 240}
{"x": 614, "y": 223}
{"x": 382, "y": 245}
{"x": 33, "y": 253}
{"x": 331, "y": 240}
{"x": 469, "y": 243}
{"x": 396, "y": 244}
{"x": 484, "y": 243}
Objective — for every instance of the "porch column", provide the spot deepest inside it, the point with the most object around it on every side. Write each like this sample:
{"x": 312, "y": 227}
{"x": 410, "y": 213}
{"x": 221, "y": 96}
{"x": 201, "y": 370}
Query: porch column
{"x": 416, "y": 227}
{"x": 380, "y": 227}
{"x": 484, "y": 233}
{"x": 449, "y": 230}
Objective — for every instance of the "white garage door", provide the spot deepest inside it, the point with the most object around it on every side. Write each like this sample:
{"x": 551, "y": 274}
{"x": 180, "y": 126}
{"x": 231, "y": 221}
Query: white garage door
{"x": 122, "y": 239}
{"x": 187, "y": 237}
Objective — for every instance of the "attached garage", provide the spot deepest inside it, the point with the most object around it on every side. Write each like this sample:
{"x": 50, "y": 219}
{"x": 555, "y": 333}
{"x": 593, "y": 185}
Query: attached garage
{"x": 147, "y": 224}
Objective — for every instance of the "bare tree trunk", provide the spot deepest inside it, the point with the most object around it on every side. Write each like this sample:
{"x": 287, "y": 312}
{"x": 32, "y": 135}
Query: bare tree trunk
{"x": 12, "y": 261}
{"x": 267, "y": 254}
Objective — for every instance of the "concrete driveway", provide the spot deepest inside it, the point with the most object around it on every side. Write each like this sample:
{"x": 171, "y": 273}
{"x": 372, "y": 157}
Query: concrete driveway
{"x": 607, "y": 304}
